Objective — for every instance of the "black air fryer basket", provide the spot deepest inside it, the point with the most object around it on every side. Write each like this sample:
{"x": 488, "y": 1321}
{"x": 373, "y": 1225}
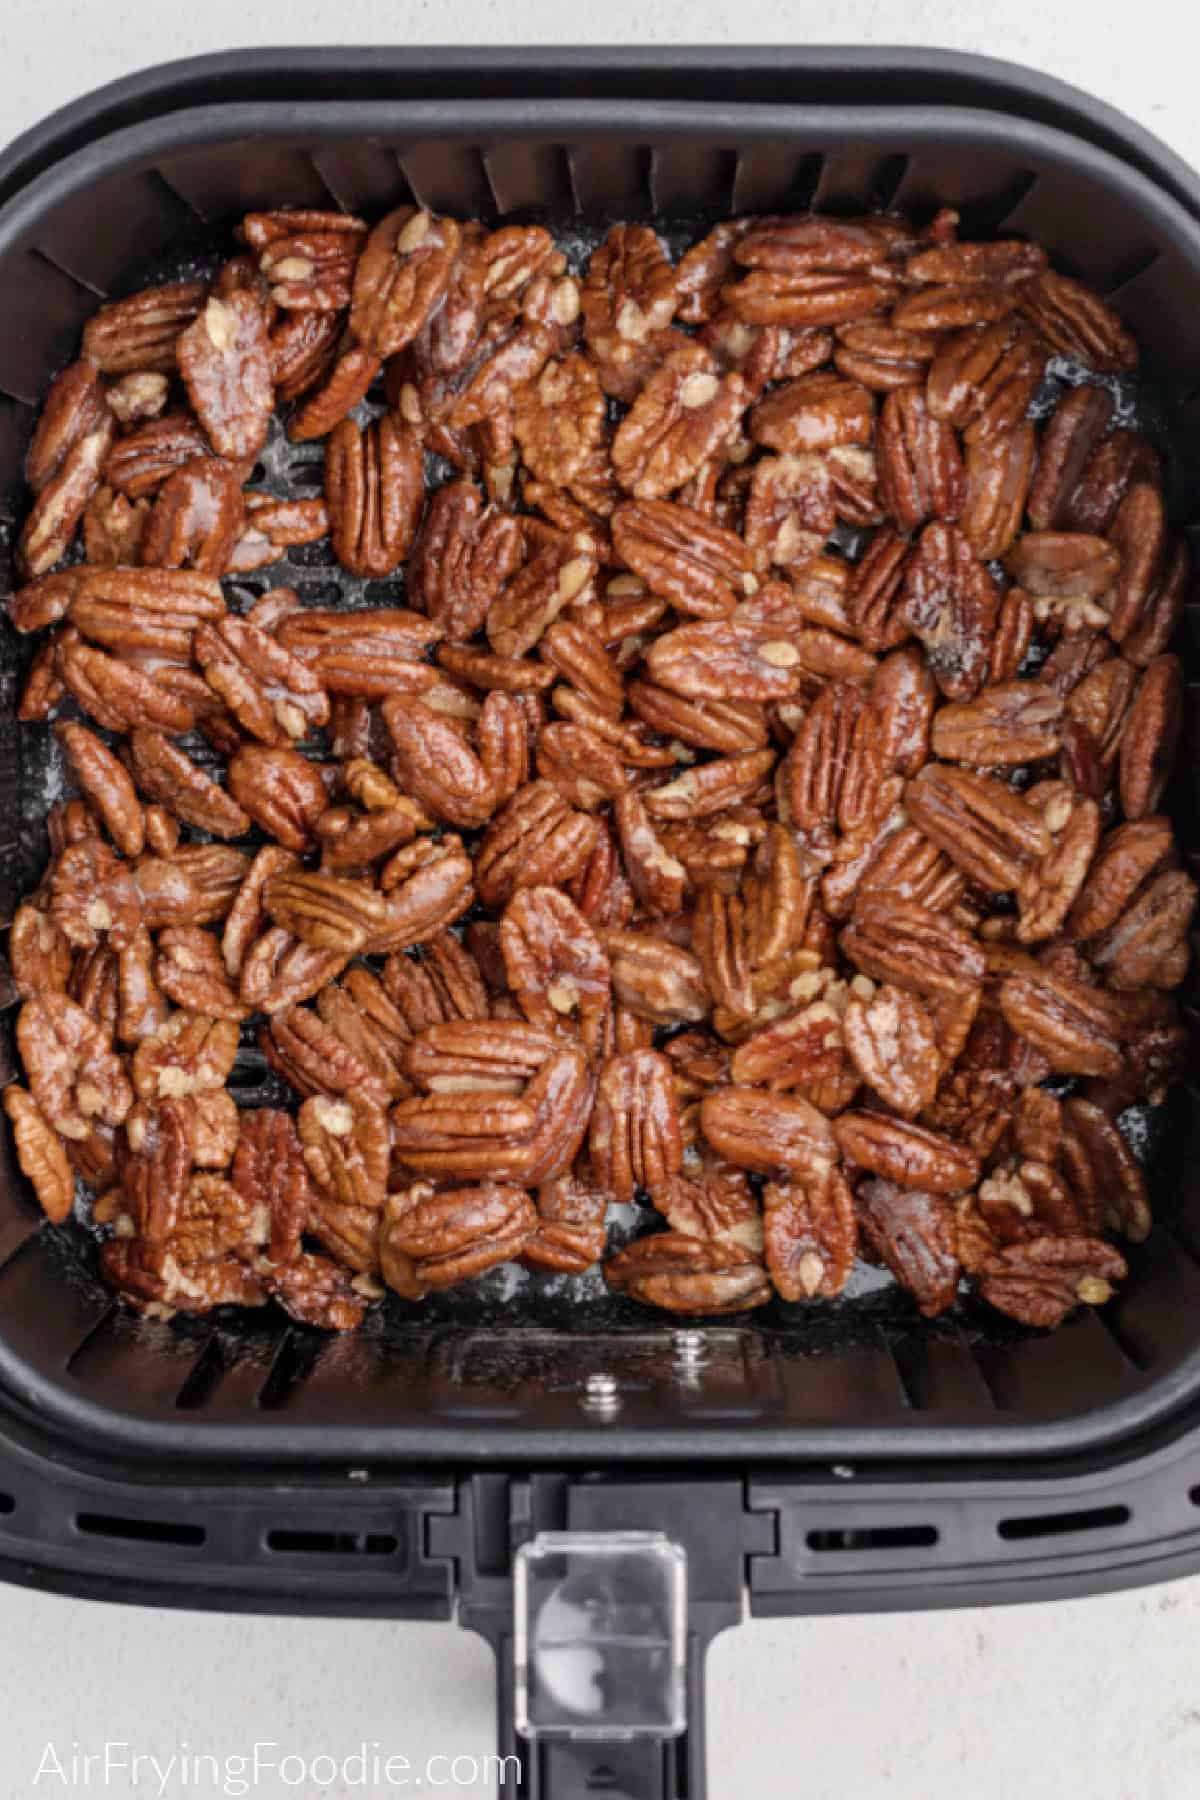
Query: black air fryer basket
{"x": 811, "y": 1459}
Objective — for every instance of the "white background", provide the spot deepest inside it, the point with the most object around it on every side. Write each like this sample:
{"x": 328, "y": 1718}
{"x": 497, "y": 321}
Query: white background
{"x": 1097, "y": 1698}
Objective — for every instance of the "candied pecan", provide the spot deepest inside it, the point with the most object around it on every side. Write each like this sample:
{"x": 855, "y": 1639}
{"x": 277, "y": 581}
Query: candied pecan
{"x": 190, "y": 970}
{"x": 817, "y": 412}
{"x": 570, "y": 1233}
{"x": 892, "y": 1041}
{"x": 1014, "y": 722}
{"x": 464, "y": 554}
{"x": 195, "y": 885}
{"x": 634, "y": 1139}
{"x": 655, "y": 979}
{"x": 555, "y": 964}
{"x": 700, "y": 568}
{"x": 1041, "y": 1280}
{"x": 165, "y": 773}
{"x": 426, "y": 897}
{"x": 921, "y": 474}
{"x": 93, "y": 895}
{"x": 345, "y": 1146}
{"x": 991, "y": 833}
{"x": 1162, "y": 612}
{"x": 882, "y": 357}
{"x": 1074, "y": 824}
{"x": 1103, "y": 1172}
{"x": 189, "y": 1054}
{"x": 809, "y": 271}
{"x": 465, "y": 1056}
{"x": 113, "y": 528}
{"x": 629, "y": 291}
{"x": 106, "y": 785}
{"x": 371, "y": 654}
{"x": 810, "y": 1235}
{"x": 998, "y": 476}
{"x": 39, "y": 952}
{"x": 1147, "y": 944}
{"x": 281, "y": 790}
{"x": 325, "y": 912}
{"x": 197, "y": 518}
{"x": 307, "y": 257}
{"x": 345, "y": 383}
{"x": 710, "y": 1199}
{"x": 315, "y": 1055}
{"x": 767, "y": 1132}
{"x": 907, "y": 944}
{"x": 51, "y": 524}
{"x": 910, "y": 1155}
{"x": 556, "y": 571}
{"x": 950, "y": 602}
{"x": 225, "y": 362}
{"x": 1077, "y": 323}
{"x": 142, "y": 394}
{"x": 139, "y": 463}
{"x": 439, "y": 769}
{"x": 433, "y": 1240}
{"x": 1121, "y": 461}
{"x": 270, "y": 1172}
{"x": 401, "y": 274}
{"x": 1078, "y": 423}
{"x": 913, "y": 1231}
{"x": 313, "y": 1290}
{"x": 1152, "y": 727}
{"x": 41, "y": 1155}
{"x": 685, "y": 1274}
{"x": 273, "y": 526}
{"x": 684, "y": 413}
{"x": 374, "y": 489}
{"x": 270, "y": 691}
{"x": 141, "y": 333}
{"x": 534, "y": 838}
{"x": 558, "y": 418}
{"x": 1074, "y": 1027}
{"x": 73, "y": 1075}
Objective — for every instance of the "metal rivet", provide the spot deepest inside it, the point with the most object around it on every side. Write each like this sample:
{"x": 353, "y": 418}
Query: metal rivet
{"x": 690, "y": 1347}
{"x": 843, "y": 1471}
{"x": 600, "y": 1394}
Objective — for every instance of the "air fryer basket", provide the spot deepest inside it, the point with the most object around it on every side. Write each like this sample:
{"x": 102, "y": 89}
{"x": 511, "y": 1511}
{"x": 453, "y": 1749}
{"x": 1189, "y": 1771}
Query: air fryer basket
{"x": 496, "y": 1369}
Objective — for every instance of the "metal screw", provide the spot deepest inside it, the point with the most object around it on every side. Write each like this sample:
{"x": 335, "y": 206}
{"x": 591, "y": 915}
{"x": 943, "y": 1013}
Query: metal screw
{"x": 843, "y": 1471}
{"x": 600, "y": 1394}
{"x": 691, "y": 1348}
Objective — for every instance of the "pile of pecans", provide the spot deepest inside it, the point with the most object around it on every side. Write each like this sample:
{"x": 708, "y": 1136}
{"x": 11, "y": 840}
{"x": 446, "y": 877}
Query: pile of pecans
{"x": 752, "y": 810}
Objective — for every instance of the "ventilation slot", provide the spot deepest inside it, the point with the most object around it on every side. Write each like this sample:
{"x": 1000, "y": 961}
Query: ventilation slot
{"x": 7, "y": 1505}
{"x": 203, "y": 1380}
{"x": 874, "y": 1537}
{"x": 141, "y": 1531}
{"x": 332, "y": 1543}
{"x": 1038, "y": 1525}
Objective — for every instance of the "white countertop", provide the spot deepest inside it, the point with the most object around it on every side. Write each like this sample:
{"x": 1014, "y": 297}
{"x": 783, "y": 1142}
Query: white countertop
{"x": 1094, "y": 1698}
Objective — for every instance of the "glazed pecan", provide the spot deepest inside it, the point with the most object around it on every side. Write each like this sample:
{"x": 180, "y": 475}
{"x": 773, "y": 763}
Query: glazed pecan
{"x": 907, "y": 944}
{"x": 72, "y": 1073}
{"x": 225, "y": 363}
{"x": 570, "y": 1233}
{"x": 914, "y": 1232}
{"x": 374, "y": 490}
{"x": 987, "y": 830}
{"x": 921, "y": 474}
{"x": 950, "y": 602}
{"x": 433, "y": 1240}
{"x": 807, "y": 271}
{"x": 190, "y": 970}
{"x": 892, "y": 1041}
{"x": 345, "y": 1144}
{"x": 999, "y": 471}
{"x": 197, "y": 518}
{"x": 106, "y": 785}
{"x": 767, "y": 1132}
{"x": 1011, "y": 723}
{"x": 1127, "y": 857}
{"x": 634, "y": 1139}
{"x": 1075, "y": 1027}
{"x": 685, "y": 413}
{"x": 686, "y": 1274}
{"x": 165, "y": 773}
{"x": 41, "y": 1155}
{"x": 401, "y": 274}
{"x": 464, "y": 554}
{"x": 1042, "y": 1280}
{"x": 1152, "y": 728}
{"x": 555, "y": 965}
{"x": 189, "y": 1054}
{"x": 141, "y": 333}
{"x": 810, "y": 1235}
{"x": 39, "y": 952}
{"x": 281, "y": 791}
{"x": 699, "y": 567}
{"x": 655, "y": 979}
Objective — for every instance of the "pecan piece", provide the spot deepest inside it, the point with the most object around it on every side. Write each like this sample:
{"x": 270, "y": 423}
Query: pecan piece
{"x": 892, "y": 1041}
{"x": 39, "y": 952}
{"x": 913, "y": 1232}
{"x": 402, "y": 273}
{"x": 810, "y": 1235}
{"x": 634, "y": 1139}
{"x": 190, "y": 970}
{"x": 165, "y": 773}
{"x": 189, "y": 1054}
{"x": 1042, "y": 1280}
{"x": 433, "y": 1240}
{"x": 106, "y": 785}
{"x": 987, "y": 830}
{"x": 374, "y": 489}
{"x": 41, "y": 1155}
{"x": 436, "y": 766}
{"x": 1077, "y": 323}
{"x": 999, "y": 471}
{"x": 571, "y": 1232}
{"x": 534, "y": 840}
{"x": 313, "y": 1290}
{"x": 907, "y": 944}
{"x": 1152, "y": 727}
{"x": 1012, "y": 723}
{"x": 325, "y": 912}
{"x": 73, "y": 1075}
{"x": 555, "y": 964}
{"x": 655, "y": 979}
{"x": 767, "y": 1132}
{"x": 225, "y": 362}
{"x": 684, "y": 414}
{"x": 686, "y": 1274}
{"x": 196, "y": 520}
{"x": 280, "y": 790}
{"x": 140, "y": 334}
